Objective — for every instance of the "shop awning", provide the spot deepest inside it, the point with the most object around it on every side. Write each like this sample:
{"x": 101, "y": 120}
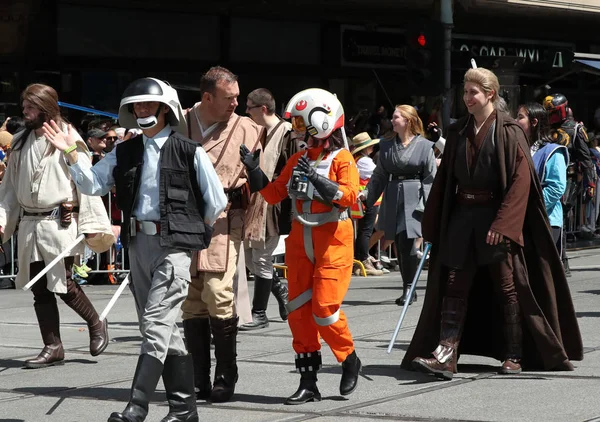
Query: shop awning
{"x": 589, "y": 63}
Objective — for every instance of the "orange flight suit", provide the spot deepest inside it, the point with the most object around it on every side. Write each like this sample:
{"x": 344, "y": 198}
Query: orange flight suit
{"x": 329, "y": 276}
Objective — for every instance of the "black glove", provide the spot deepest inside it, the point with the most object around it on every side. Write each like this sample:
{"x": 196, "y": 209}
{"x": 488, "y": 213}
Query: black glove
{"x": 257, "y": 179}
{"x": 249, "y": 159}
{"x": 328, "y": 189}
{"x": 304, "y": 165}
{"x": 434, "y": 133}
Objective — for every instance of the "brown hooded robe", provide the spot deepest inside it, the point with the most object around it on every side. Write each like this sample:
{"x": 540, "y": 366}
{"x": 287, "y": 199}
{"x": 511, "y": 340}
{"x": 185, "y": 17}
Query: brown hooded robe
{"x": 550, "y": 330}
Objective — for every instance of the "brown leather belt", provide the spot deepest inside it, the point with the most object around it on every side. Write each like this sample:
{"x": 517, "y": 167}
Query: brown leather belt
{"x": 476, "y": 197}
{"x": 47, "y": 213}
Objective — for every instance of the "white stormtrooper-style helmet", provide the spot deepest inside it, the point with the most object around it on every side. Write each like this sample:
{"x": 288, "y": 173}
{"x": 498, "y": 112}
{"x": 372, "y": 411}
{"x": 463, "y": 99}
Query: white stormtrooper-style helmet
{"x": 316, "y": 111}
{"x": 150, "y": 89}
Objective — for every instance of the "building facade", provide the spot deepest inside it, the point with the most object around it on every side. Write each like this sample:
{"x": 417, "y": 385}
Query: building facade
{"x": 369, "y": 52}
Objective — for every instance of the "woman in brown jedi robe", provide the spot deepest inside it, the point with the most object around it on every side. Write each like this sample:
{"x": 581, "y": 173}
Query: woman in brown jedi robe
{"x": 495, "y": 276}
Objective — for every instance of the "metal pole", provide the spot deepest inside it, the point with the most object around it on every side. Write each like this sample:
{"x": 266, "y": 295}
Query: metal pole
{"x": 446, "y": 18}
{"x": 411, "y": 292}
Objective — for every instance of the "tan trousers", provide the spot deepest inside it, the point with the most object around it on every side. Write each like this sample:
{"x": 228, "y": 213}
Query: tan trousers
{"x": 212, "y": 294}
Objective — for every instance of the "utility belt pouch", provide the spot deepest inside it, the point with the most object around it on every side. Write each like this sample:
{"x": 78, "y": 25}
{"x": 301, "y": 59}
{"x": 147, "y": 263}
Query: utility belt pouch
{"x": 66, "y": 214}
{"x": 132, "y": 226}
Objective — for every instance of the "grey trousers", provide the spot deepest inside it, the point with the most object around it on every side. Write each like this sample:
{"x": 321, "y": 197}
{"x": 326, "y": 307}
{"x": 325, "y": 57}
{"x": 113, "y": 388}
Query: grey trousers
{"x": 159, "y": 282}
{"x": 260, "y": 260}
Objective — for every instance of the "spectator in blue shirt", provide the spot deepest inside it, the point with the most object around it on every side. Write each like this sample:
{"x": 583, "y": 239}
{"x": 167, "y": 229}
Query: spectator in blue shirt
{"x": 550, "y": 160}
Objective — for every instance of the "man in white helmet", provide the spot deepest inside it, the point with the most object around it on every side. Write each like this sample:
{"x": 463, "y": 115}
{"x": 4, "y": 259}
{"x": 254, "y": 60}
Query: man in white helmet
{"x": 323, "y": 183}
{"x": 170, "y": 197}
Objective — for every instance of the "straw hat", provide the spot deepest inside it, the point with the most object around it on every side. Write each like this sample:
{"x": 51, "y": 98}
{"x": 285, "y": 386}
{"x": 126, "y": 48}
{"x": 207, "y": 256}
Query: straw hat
{"x": 5, "y": 139}
{"x": 362, "y": 141}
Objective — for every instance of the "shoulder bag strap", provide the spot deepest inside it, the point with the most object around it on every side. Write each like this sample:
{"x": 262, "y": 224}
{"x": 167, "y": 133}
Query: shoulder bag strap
{"x": 227, "y": 143}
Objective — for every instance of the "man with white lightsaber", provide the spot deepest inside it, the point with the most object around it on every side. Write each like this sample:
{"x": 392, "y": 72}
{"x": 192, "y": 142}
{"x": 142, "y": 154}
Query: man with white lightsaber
{"x": 170, "y": 196}
{"x": 38, "y": 194}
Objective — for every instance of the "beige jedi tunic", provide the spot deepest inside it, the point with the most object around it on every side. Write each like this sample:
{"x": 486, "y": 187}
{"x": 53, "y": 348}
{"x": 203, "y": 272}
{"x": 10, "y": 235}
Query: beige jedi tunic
{"x": 37, "y": 180}
{"x": 214, "y": 258}
{"x": 259, "y": 211}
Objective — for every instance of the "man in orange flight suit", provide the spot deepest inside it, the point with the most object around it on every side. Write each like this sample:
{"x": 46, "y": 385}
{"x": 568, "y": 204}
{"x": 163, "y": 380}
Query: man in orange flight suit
{"x": 319, "y": 249}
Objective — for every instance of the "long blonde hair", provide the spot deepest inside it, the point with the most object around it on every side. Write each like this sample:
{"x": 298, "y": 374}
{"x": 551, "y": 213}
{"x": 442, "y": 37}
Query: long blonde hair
{"x": 415, "y": 125}
{"x": 486, "y": 79}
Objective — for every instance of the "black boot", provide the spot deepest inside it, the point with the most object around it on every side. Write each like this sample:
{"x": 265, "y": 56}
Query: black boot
{"x": 262, "y": 290}
{"x": 402, "y": 299}
{"x": 226, "y": 372}
{"x": 197, "y": 338}
{"x": 178, "y": 377}
{"x": 409, "y": 265}
{"x": 280, "y": 291}
{"x": 147, "y": 374}
{"x": 308, "y": 364}
{"x": 350, "y": 369}
{"x": 565, "y": 263}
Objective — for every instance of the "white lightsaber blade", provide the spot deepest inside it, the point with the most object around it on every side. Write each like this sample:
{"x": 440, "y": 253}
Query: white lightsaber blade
{"x": 54, "y": 261}
{"x": 113, "y": 300}
{"x": 410, "y": 295}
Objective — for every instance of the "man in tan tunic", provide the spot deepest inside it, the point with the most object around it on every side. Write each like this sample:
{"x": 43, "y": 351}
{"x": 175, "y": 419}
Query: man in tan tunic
{"x": 210, "y": 303}
{"x": 37, "y": 193}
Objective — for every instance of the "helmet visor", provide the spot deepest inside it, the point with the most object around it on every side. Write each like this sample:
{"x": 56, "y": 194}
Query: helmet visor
{"x": 298, "y": 124}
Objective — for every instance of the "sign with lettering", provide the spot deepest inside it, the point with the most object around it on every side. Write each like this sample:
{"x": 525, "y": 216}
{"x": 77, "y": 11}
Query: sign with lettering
{"x": 380, "y": 48}
{"x": 553, "y": 55}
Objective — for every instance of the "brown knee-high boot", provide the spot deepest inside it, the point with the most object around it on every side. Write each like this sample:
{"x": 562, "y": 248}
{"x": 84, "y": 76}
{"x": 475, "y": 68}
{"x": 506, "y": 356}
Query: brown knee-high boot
{"x": 443, "y": 362}
{"x": 46, "y": 311}
{"x": 77, "y": 300}
{"x": 513, "y": 335}
{"x": 49, "y": 322}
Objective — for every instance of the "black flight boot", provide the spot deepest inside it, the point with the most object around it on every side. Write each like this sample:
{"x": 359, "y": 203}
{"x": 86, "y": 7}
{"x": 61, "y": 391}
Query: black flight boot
{"x": 350, "y": 369}
{"x": 307, "y": 364}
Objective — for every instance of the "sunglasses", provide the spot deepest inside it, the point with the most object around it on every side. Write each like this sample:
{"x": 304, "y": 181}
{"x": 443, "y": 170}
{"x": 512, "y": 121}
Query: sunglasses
{"x": 110, "y": 138}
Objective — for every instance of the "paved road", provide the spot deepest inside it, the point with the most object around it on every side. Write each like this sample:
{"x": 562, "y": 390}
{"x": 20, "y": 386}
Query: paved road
{"x": 89, "y": 389}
